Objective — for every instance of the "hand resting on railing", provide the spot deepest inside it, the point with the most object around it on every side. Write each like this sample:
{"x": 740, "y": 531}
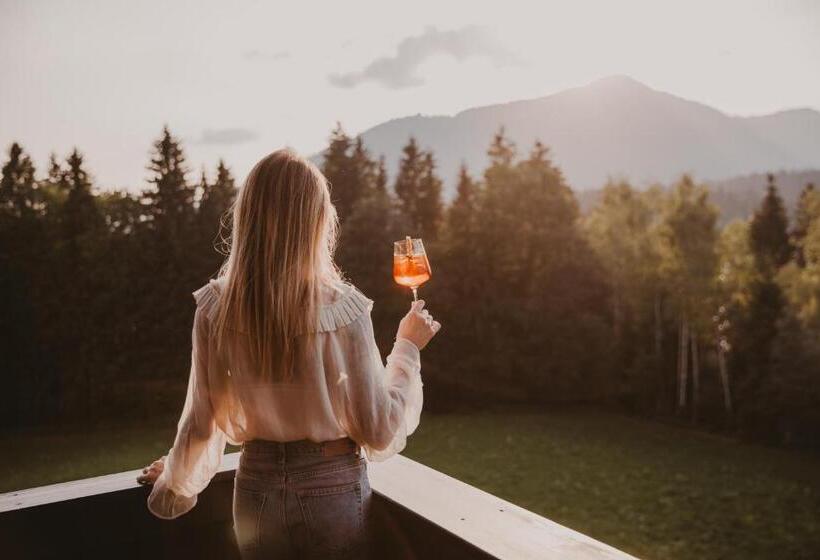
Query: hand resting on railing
{"x": 151, "y": 472}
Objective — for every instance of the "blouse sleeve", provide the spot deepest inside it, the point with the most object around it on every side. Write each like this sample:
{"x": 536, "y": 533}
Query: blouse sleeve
{"x": 380, "y": 406}
{"x": 199, "y": 444}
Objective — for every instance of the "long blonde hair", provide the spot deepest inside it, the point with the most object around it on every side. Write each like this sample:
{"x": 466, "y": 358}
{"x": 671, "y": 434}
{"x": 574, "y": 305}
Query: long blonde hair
{"x": 281, "y": 255}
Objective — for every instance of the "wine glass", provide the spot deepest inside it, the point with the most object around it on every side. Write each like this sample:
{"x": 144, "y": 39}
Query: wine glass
{"x": 410, "y": 265}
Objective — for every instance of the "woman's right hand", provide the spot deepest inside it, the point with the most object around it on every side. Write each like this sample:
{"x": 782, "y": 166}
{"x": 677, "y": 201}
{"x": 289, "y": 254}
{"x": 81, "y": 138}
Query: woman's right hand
{"x": 418, "y": 325}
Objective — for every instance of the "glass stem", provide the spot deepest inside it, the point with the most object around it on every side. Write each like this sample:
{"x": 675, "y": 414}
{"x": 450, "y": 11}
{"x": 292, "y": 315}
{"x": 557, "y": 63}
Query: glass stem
{"x": 415, "y": 293}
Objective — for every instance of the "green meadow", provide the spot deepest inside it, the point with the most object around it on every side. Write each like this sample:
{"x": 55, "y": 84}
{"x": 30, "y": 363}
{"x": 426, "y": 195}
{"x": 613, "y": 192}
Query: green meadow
{"x": 654, "y": 490}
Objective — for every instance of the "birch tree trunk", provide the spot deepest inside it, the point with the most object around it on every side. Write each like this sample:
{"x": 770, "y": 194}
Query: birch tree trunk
{"x": 662, "y": 391}
{"x": 724, "y": 377}
{"x": 695, "y": 379}
{"x": 683, "y": 363}
{"x": 676, "y": 397}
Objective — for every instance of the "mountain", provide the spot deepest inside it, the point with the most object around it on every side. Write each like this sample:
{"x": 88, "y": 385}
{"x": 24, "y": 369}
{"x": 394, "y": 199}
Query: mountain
{"x": 613, "y": 126}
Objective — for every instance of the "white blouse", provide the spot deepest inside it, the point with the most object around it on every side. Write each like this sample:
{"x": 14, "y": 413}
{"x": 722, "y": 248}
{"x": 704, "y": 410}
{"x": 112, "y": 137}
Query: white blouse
{"x": 342, "y": 389}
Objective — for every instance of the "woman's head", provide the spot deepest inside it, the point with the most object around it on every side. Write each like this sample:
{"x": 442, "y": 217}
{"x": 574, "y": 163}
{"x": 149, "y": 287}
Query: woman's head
{"x": 281, "y": 254}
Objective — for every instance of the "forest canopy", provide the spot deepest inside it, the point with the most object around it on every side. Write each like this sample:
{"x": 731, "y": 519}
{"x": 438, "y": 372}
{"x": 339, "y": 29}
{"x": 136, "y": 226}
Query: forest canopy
{"x": 643, "y": 302}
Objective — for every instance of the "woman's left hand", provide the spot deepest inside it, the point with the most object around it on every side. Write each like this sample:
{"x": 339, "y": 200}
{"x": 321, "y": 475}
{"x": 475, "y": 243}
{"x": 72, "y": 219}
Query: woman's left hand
{"x": 151, "y": 472}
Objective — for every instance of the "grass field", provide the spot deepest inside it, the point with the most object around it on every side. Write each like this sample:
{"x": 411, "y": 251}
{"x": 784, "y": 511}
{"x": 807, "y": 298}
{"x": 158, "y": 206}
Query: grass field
{"x": 656, "y": 491}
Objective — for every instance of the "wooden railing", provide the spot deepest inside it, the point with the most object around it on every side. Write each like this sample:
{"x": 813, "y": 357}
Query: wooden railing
{"x": 421, "y": 513}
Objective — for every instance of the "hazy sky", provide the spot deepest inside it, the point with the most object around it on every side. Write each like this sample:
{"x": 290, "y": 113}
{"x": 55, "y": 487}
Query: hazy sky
{"x": 240, "y": 79}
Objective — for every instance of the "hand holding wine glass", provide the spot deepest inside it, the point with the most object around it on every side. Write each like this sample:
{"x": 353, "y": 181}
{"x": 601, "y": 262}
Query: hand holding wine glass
{"x": 418, "y": 326}
{"x": 411, "y": 268}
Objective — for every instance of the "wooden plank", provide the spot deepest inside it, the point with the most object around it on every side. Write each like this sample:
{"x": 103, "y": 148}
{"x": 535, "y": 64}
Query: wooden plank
{"x": 76, "y": 489}
{"x": 118, "y": 525}
{"x": 493, "y": 525}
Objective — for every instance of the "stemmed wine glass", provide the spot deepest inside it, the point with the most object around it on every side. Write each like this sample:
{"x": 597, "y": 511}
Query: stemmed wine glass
{"x": 410, "y": 265}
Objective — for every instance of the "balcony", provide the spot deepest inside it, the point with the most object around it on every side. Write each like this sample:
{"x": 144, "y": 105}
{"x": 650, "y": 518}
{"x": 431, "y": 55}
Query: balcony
{"x": 421, "y": 513}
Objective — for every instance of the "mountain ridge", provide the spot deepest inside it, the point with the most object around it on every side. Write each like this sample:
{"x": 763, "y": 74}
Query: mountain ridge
{"x": 616, "y": 127}
{"x": 738, "y": 197}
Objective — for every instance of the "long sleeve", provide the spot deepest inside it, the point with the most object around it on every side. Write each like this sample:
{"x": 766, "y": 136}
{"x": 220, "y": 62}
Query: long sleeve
{"x": 380, "y": 405}
{"x": 199, "y": 444}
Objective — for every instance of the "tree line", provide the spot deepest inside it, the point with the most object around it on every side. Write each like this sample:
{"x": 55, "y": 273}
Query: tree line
{"x": 642, "y": 302}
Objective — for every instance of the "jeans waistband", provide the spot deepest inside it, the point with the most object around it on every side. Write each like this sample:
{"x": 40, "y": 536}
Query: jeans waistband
{"x": 301, "y": 447}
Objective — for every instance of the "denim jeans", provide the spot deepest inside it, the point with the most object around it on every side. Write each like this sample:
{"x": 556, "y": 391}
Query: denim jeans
{"x": 291, "y": 501}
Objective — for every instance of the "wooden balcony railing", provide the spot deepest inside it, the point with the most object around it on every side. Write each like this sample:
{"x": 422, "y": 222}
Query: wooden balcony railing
{"x": 421, "y": 513}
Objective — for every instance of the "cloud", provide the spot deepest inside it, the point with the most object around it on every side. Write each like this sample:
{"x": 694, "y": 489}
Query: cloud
{"x": 226, "y": 136}
{"x": 256, "y": 54}
{"x": 399, "y": 71}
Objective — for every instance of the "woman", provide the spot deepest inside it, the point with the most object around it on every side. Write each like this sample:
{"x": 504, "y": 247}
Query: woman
{"x": 284, "y": 361}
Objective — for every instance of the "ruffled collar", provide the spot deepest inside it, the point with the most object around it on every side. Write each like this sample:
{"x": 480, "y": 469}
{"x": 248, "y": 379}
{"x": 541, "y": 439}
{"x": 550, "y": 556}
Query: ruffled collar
{"x": 349, "y": 304}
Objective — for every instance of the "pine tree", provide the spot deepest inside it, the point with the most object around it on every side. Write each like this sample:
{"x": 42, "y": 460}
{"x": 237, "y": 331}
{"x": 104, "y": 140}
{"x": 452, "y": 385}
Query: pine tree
{"x": 340, "y": 172}
{"x": 23, "y": 260}
{"x": 171, "y": 203}
{"x": 368, "y": 230}
{"x": 429, "y": 208}
{"x": 217, "y": 198}
{"x": 80, "y": 213}
{"x": 24, "y": 266}
{"x": 56, "y": 174}
{"x": 223, "y": 190}
{"x": 380, "y": 182}
{"x": 751, "y": 358}
{"x": 408, "y": 185}
{"x": 461, "y": 213}
{"x": 499, "y": 178}
{"x": 769, "y": 231}
{"x": 501, "y": 151}
{"x": 807, "y": 208}
{"x": 54, "y": 186}
{"x": 758, "y": 328}
{"x": 201, "y": 188}
{"x": 496, "y": 208}
{"x": 83, "y": 233}
{"x": 532, "y": 256}
{"x": 364, "y": 171}
{"x": 18, "y": 189}
{"x": 461, "y": 270}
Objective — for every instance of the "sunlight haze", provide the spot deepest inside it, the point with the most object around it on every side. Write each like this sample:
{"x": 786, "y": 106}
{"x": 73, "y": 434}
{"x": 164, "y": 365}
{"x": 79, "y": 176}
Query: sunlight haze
{"x": 239, "y": 80}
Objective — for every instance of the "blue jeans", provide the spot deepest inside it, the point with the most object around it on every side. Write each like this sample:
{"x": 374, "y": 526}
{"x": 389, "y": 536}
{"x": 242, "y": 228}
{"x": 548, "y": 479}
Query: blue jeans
{"x": 291, "y": 501}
